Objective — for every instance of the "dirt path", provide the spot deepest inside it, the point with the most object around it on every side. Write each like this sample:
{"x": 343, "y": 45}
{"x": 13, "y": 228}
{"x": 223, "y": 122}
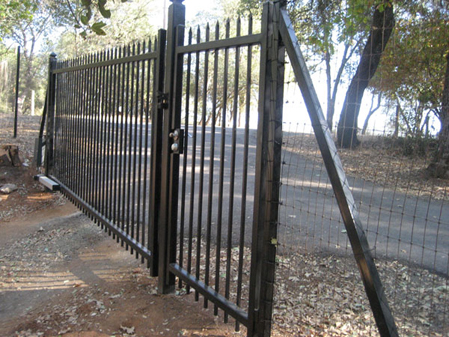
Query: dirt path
{"x": 61, "y": 275}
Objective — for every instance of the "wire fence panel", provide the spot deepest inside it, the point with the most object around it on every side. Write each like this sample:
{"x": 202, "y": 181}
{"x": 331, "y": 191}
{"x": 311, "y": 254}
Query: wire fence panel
{"x": 403, "y": 211}
{"x": 406, "y": 221}
{"x": 102, "y": 143}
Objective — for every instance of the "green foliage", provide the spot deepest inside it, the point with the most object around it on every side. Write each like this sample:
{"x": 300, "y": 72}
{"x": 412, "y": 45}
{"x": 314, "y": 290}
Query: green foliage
{"x": 131, "y": 21}
{"x": 97, "y": 27}
{"x": 12, "y": 11}
{"x": 413, "y": 65}
{"x": 89, "y": 21}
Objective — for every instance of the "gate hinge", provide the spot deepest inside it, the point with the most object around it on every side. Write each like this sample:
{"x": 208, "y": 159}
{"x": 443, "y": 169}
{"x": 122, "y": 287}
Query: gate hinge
{"x": 162, "y": 100}
{"x": 178, "y": 141}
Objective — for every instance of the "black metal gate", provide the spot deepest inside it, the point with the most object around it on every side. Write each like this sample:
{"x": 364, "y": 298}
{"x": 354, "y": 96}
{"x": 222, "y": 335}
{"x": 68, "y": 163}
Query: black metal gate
{"x": 100, "y": 145}
{"x": 157, "y": 142}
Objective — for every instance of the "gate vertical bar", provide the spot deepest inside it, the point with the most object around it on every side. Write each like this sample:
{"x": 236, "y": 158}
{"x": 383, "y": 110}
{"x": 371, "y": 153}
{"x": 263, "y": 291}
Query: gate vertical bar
{"x": 268, "y": 167}
{"x": 170, "y": 160}
{"x": 50, "y": 114}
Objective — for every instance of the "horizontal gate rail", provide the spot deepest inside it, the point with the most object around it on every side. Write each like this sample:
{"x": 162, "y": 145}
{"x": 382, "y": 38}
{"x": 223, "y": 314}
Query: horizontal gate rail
{"x": 93, "y": 65}
{"x": 211, "y": 294}
{"x": 240, "y": 41}
{"x": 97, "y": 216}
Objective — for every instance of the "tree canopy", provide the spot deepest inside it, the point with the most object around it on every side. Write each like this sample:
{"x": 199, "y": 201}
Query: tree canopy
{"x": 397, "y": 50}
{"x": 70, "y": 28}
{"x": 412, "y": 71}
{"x": 13, "y": 11}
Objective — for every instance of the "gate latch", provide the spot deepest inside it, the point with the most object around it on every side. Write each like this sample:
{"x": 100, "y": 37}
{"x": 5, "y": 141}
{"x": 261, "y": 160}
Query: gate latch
{"x": 162, "y": 100}
{"x": 178, "y": 141}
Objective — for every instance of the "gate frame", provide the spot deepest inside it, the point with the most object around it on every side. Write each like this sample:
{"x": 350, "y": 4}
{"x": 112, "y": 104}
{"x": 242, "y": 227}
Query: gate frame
{"x": 258, "y": 317}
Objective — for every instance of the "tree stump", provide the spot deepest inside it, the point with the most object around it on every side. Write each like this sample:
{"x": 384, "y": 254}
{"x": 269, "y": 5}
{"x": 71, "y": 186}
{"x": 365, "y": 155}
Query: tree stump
{"x": 9, "y": 155}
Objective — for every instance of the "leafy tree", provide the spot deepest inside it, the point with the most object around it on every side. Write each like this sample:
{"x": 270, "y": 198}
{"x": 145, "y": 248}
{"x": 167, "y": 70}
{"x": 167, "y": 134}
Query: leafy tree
{"x": 331, "y": 33}
{"x": 131, "y": 21}
{"x": 34, "y": 25}
{"x": 12, "y": 11}
{"x": 413, "y": 65}
{"x": 27, "y": 31}
{"x": 414, "y": 70}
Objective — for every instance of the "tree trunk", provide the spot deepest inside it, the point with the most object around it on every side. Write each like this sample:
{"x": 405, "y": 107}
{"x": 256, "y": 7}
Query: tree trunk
{"x": 381, "y": 29}
{"x": 330, "y": 104}
{"x": 396, "y": 121}
{"x": 371, "y": 112}
{"x": 332, "y": 92}
{"x": 439, "y": 168}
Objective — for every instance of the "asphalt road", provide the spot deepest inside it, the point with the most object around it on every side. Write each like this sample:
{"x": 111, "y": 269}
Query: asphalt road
{"x": 398, "y": 226}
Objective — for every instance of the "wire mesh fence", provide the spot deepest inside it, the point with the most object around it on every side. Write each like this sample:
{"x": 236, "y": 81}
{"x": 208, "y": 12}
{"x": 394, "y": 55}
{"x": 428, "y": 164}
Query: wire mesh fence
{"x": 403, "y": 208}
{"x": 406, "y": 220}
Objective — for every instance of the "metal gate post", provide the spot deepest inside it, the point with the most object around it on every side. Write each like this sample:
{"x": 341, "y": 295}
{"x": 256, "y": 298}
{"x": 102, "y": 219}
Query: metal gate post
{"x": 156, "y": 150}
{"x": 50, "y": 114}
{"x": 268, "y": 168}
{"x": 170, "y": 102}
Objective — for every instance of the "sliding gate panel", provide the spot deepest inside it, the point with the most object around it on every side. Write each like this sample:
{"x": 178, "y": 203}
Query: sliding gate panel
{"x": 105, "y": 137}
{"x": 217, "y": 164}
